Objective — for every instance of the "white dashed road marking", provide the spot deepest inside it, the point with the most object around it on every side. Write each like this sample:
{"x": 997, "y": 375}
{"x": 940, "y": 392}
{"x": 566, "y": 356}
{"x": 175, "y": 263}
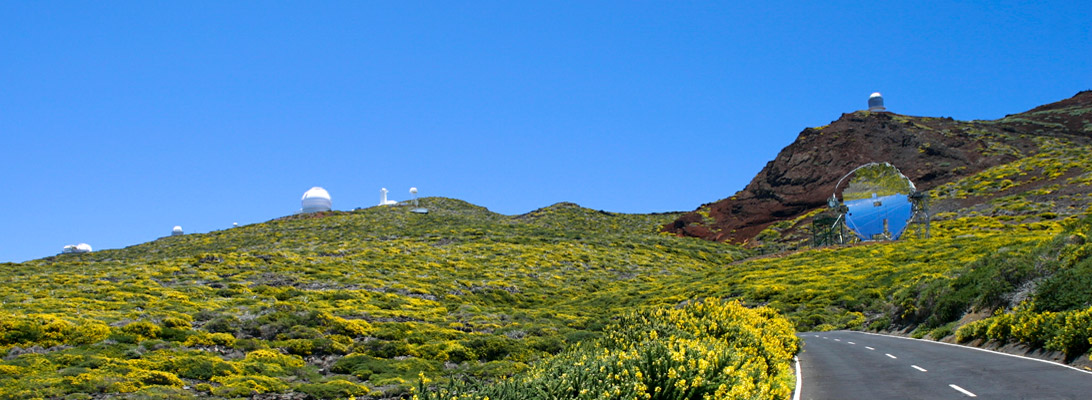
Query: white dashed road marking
{"x": 869, "y": 348}
{"x": 851, "y": 343}
{"x": 964, "y": 391}
{"x": 889, "y": 355}
{"x": 918, "y": 368}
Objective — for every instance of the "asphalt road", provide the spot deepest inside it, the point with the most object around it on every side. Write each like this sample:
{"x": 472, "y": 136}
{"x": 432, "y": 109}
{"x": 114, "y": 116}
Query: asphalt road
{"x": 856, "y": 365}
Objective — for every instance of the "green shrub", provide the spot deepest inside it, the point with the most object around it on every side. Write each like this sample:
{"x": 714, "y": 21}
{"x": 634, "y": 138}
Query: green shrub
{"x": 142, "y": 330}
{"x": 1067, "y": 289}
{"x": 247, "y": 385}
{"x": 334, "y": 389}
{"x": 270, "y": 362}
{"x": 202, "y": 367}
{"x": 710, "y": 350}
{"x": 941, "y": 332}
{"x": 880, "y": 324}
{"x": 971, "y": 331}
{"x": 176, "y": 323}
{"x": 1000, "y": 327}
{"x": 493, "y": 347}
{"x": 1073, "y": 337}
{"x": 209, "y": 339}
{"x": 161, "y": 378}
{"x": 223, "y": 324}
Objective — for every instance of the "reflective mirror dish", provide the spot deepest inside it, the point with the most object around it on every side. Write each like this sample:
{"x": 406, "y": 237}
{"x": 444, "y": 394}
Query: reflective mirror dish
{"x": 878, "y": 202}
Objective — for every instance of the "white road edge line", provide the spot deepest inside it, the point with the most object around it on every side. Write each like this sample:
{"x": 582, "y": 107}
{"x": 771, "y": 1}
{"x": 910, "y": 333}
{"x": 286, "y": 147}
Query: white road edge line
{"x": 919, "y": 368}
{"x": 962, "y": 390}
{"x": 869, "y": 348}
{"x": 889, "y": 355}
{"x": 799, "y": 380}
{"x": 985, "y": 350}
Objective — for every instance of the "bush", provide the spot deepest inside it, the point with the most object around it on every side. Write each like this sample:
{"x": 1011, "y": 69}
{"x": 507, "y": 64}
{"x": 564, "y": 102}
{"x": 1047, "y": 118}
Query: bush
{"x": 247, "y": 385}
{"x": 334, "y": 389}
{"x": 880, "y": 324}
{"x": 971, "y": 331}
{"x": 207, "y": 339}
{"x": 202, "y": 367}
{"x": 270, "y": 362}
{"x": 493, "y": 347}
{"x": 709, "y": 350}
{"x": 176, "y": 323}
{"x": 1074, "y": 335}
{"x": 223, "y": 324}
{"x": 155, "y": 378}
{"x": 941, "y": 332}
{"x": 142, "y": 330}
{"x": 1067, "y": 289}
{"x": 1000, "y": 327}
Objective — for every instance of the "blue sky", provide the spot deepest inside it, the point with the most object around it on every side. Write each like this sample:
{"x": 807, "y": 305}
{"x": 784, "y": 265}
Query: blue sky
{"x": 119, "y": 120}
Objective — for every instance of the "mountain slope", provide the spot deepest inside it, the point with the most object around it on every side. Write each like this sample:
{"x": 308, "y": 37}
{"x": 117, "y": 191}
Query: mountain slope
{"x": 930, "y": 151}
{"x": 332, "y": 304}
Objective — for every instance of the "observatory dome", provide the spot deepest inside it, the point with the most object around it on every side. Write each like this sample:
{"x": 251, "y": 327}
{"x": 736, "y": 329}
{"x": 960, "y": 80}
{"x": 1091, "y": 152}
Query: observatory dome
{"x": 315, "y": 200}
{"x": 875, "y": 102}
{"x": 77, "y": 248}
{"x": 176, "y": 231}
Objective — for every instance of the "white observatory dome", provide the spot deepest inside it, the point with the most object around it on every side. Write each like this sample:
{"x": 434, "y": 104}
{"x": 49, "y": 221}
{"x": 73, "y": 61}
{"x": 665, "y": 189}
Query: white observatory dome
{"x": 315, "y": 200}
{"x": 413, "y": 190}
{"x": 875, "y": 102}
{"x": 176, "y": 231}
{"x": 76, "y": 248}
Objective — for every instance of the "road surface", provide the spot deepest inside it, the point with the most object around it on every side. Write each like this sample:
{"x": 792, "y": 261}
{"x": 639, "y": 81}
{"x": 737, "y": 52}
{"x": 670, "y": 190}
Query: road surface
{"x": 856, "y": 365}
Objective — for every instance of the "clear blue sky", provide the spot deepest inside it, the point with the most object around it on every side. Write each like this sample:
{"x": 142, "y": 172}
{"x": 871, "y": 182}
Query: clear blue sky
{"x": 119, "y": 120}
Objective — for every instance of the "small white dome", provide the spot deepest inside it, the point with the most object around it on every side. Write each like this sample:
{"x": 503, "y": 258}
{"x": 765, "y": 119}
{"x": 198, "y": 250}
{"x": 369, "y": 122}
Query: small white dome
{"x": 315, "y": 200}
{"x": 413, "y": 190}
{"x": 875, "y": 102}
{"x": 76, "y": 248}
{"x": 177, "y": 230}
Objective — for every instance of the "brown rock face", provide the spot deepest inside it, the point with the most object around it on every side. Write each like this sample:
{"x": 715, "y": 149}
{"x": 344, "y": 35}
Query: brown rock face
{"x": 930, "y": 151}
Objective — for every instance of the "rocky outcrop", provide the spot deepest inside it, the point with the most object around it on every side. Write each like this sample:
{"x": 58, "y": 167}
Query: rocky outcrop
{"x": 930, "y": 151}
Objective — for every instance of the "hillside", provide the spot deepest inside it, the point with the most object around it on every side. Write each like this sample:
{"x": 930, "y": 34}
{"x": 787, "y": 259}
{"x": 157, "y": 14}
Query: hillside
{"x": 930, "y": 151}
{"x": 568, "y": 302}
{"x": 340, "y": 303}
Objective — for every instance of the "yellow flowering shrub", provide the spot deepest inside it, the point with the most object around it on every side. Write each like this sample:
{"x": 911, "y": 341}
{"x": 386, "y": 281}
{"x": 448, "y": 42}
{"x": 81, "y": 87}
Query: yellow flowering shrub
{"x": 708, "y": 350}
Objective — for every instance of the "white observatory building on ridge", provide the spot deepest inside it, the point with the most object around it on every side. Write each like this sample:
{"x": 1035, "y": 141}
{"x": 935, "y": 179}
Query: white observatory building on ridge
{"x": 76, "y": 248}
{"x": 875, "y": 102}
{"x": 316, "y": 200}
{"x": 383, "y": 198}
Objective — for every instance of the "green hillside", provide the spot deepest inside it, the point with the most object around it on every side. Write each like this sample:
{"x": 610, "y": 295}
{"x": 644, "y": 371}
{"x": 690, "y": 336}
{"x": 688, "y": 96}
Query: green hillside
{"x": 562, "y": 302}
{"x": 333, "y": 304}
